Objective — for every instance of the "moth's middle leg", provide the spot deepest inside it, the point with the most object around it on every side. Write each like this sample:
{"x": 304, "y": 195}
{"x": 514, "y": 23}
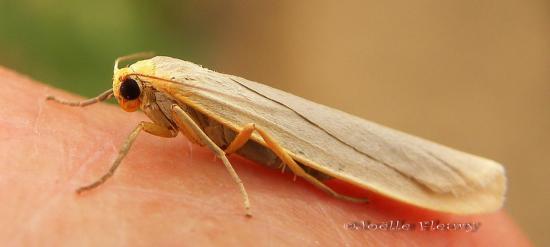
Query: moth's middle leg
{"x": 186, "y": 123}
{"x": 246, "y": 132}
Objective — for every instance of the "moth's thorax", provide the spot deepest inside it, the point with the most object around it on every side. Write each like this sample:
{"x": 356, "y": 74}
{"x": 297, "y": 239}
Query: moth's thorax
{"x": 157, "y": 107}
{"x": 150, "y": 97}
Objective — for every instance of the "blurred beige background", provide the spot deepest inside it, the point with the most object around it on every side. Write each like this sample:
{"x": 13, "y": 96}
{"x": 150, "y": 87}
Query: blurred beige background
{"x": 474, "y": 75}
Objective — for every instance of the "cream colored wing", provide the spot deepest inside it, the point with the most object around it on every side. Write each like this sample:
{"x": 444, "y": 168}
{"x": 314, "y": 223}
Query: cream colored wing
{"x": 396, "y": 164}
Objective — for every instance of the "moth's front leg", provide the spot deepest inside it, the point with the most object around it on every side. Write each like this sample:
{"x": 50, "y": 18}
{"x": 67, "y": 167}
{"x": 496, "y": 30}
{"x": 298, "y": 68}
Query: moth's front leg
{"x": 102, "y": 97}
{"x": 186, "y": 123}
{"x": 148, "y": 127}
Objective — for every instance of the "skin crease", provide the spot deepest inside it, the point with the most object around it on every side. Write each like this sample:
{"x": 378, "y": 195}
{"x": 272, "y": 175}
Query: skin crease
{"x": 168, "y": 192}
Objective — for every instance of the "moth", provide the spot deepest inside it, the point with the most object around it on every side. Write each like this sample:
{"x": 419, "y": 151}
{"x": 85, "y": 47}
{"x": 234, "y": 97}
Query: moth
{"x": 229, "y": 114}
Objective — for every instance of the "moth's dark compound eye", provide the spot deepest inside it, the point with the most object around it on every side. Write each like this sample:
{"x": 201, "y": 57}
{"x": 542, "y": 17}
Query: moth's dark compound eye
{"x": 129, "y": 89}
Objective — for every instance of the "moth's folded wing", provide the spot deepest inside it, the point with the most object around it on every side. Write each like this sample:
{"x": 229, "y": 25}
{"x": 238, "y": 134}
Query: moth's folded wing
{"x": 444, "y": 178}
{"x": 398, "y": 165}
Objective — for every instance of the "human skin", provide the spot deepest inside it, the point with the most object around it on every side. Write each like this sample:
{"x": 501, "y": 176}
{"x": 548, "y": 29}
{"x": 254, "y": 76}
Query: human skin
{"x": 168, "y": 192}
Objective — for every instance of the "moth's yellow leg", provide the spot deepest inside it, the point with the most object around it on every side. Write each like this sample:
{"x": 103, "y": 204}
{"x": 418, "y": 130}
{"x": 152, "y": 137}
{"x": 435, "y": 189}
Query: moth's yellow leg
{"x": 102, "y": 97}
{"x": 283, "y": 166}
{"x": 150, "y": 128}
{"x": 246, "y": 132}
{"x": 184, "y": 121}
{"x": 242, "y": 137}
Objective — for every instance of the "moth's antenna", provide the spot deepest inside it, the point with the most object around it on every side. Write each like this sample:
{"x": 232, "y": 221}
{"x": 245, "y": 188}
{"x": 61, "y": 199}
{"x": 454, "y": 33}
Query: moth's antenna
{"x": 139, "y": 75}
{"x": 132, "y": 57}
{"x": 167, "y": 80}
{"x": 153, "y": 77}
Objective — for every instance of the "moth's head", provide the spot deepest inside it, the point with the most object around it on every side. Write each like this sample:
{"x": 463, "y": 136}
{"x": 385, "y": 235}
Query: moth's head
{"x": 127, "y": 87}
{"x": 127, "y": 90}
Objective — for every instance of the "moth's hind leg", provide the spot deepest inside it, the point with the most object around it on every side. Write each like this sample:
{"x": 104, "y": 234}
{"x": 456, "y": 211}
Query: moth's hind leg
{"x": 244, "y": 135}
{"x": 186, "y": 123}
{"x": 102, "y": 97}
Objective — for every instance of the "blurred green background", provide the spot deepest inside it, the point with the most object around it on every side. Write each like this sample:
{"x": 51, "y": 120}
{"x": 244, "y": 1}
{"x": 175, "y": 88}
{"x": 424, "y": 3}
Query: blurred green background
{"x": 474, "y": 75}
{"x": 71, "y": 44}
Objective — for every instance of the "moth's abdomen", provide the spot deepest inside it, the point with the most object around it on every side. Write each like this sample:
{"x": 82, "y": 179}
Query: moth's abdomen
{"x": 252, "y": 150}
